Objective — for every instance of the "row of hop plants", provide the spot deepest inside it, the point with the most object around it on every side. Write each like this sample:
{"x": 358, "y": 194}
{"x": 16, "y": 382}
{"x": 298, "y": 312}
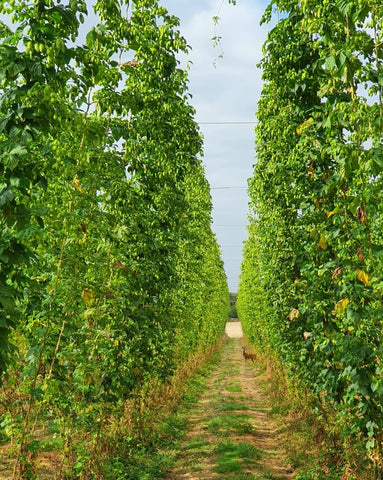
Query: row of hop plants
{"x": 312, "y": 274}
{"x": 111, "y": 277}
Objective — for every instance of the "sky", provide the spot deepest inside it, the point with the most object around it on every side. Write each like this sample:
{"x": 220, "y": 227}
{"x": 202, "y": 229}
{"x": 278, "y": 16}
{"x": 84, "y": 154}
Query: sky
{"x": 225, "y": 90}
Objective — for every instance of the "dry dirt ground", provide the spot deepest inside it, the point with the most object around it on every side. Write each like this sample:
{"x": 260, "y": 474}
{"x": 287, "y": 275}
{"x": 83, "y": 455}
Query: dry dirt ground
{"x": 231, "y": 433}
{"x": 234, "y": 329}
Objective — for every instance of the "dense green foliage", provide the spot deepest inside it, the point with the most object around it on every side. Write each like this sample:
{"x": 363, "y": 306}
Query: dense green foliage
{"x": 311, "y": 286}
{"x": 110, "y": 276}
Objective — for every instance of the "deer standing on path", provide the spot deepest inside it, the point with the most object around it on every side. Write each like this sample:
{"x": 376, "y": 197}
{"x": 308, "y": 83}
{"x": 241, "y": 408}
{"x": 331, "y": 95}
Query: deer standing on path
{"x": 248, "y": 356}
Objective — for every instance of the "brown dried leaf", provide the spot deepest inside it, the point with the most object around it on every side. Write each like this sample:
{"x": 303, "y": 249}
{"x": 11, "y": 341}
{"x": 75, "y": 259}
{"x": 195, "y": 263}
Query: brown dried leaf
{"x": 294, "y": 313}
{"x": 336, "y": 272}
{"x": 360, "y": 255}
{"x": 130, "y": 63}
{"x": 118, "y": 264}
{"x": 361, "y": 215}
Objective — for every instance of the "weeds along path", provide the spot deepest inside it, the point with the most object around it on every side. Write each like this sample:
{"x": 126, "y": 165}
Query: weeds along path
{"x": 231, "y": 433}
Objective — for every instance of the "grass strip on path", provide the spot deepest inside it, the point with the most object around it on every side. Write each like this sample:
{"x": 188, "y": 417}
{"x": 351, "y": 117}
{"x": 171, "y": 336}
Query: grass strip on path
{"x": 230, "y": 432}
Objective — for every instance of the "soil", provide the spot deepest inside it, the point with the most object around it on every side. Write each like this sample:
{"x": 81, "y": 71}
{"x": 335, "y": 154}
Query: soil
{"x": 232, "y": 434}
{"x": 234, "y": 329}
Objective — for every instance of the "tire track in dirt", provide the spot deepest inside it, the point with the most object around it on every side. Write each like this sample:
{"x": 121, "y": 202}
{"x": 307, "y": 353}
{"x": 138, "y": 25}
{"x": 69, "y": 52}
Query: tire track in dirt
{"x": 231, "y": 433}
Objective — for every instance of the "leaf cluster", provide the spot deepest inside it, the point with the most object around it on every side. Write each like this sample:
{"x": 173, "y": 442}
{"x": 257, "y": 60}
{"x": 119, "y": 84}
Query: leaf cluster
{"x": 111, "y": 277}
{"x": 311, "y": 277}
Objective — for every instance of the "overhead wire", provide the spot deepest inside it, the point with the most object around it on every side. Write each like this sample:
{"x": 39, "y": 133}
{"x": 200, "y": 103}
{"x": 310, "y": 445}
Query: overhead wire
{"x": 227, "y": 123}
{"x": 226, "y": 188}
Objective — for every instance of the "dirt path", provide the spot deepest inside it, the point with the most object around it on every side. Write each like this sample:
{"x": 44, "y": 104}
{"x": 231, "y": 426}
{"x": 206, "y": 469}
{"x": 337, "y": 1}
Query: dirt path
{"x": 231, "y": 433}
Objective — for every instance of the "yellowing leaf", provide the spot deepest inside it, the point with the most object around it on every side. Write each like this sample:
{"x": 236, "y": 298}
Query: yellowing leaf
{"x": 341, "y": 306}
{"x": 311, "y": 170}
{"x": 76, "y": 183}
{"x": 322, "y": 242}
{"x": 334, "y": 212}
{"x": 87, "y": 296}
{"x": 294, "y": 313}
{"x": 304, "y": 126}
{"x": 89, "y": 312}
{"x": 363, "y": 277}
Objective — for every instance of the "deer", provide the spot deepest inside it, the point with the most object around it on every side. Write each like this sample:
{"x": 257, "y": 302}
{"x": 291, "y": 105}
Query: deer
{"x": 248, "y": 356}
